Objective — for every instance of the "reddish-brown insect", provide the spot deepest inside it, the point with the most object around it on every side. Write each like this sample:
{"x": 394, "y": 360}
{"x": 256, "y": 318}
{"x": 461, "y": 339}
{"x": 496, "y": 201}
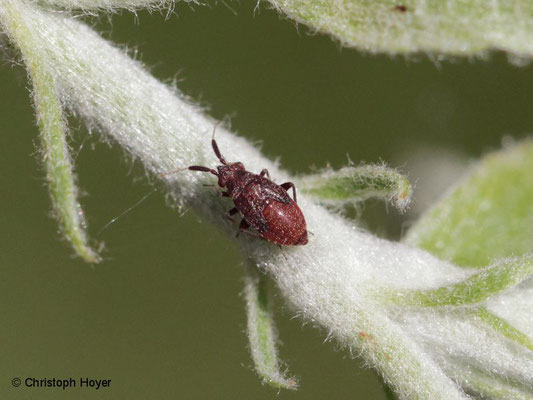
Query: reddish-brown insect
{"x": 400, "y": 8}
{"x": 263, "y": 205}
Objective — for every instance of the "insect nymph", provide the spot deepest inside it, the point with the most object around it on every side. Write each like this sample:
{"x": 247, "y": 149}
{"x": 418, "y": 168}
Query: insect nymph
{"x": 263, "y": 204}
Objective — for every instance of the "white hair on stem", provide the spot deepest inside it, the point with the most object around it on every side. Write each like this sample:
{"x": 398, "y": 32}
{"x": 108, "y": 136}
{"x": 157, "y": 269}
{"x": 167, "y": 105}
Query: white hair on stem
{"x": 107, "y": 5}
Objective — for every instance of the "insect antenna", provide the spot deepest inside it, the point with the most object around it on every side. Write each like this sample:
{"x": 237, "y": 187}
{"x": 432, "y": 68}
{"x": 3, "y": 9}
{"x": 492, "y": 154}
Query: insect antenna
{"x": 215, "y": 145}
{"x": 172, "y": 172}
{"x": 191, "y": 168}
{"x": 202, "y": 169}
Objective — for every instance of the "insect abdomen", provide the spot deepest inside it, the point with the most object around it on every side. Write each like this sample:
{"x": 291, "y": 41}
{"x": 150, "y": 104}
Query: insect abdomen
{"x": 286, "y": 224}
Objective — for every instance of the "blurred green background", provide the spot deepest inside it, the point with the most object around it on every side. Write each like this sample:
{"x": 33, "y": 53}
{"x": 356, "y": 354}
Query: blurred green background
{"x": 163, "y": 316}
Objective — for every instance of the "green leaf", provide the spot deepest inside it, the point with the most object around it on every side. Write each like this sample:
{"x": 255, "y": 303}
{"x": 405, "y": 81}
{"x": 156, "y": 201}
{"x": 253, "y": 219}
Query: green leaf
{"x": 351, "y": 185}
{"x": 261, "y": 331}
{"x": 506, "y": 329}
{"x": 454, "y": 27}
{"x": 491, "y": 387}
{"x": 487, "y": 216}
{"x": 55, "y": 151}
{"x": 483, "y": 284}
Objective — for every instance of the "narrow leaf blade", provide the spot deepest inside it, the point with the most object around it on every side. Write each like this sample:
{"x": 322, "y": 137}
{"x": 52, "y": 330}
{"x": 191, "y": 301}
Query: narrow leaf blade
{"x": 351, "y": 185}
{"x": 55, "y": 152}
{"x": 261, "y": 331}
{"x": 482, "y": 285}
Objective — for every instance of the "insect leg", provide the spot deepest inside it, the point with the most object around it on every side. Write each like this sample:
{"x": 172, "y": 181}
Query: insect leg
{"x": 243, "y": 228}
{"x": 287, "y": 186}
{"x": 231, "y": 212}
{"x": 264, "y": 172}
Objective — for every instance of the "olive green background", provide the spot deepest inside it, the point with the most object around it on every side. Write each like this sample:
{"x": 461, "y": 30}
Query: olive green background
{"x": 162, "y": 316}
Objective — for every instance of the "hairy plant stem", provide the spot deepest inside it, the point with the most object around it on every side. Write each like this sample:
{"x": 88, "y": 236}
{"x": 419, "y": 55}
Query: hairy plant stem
{"x": 55, "y": 151}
